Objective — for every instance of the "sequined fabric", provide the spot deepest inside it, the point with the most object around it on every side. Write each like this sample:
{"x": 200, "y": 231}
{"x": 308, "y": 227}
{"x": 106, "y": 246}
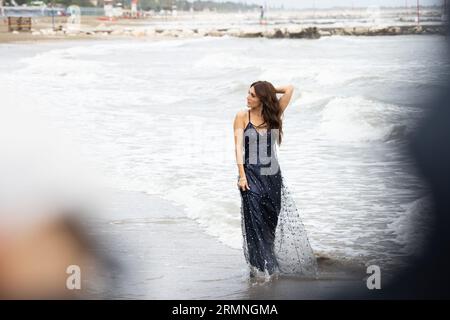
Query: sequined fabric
{"x": 274, "y": 238}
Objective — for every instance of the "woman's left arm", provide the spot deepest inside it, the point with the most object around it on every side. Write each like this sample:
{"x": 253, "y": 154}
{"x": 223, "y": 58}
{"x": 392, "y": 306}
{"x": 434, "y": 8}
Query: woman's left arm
{"x": 286, "y": 97}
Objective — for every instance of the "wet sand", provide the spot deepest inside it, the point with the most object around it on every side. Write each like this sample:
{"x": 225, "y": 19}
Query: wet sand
{"x": 162, "y": 254}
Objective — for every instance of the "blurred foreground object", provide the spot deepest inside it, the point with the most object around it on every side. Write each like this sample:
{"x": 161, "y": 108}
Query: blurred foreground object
{"x": 35, "y": 257}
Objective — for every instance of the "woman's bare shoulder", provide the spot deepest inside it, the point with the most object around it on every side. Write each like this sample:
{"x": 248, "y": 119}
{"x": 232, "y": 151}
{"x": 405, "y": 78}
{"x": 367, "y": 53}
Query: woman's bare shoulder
{"x": 241, "y": 114}
{"x": 239, "y": 119}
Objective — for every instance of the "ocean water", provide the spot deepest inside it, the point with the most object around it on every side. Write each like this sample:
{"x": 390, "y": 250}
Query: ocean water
{"x": 157, "y": 117}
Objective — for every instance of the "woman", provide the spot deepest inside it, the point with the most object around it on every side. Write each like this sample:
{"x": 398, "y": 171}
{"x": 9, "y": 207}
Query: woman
{"x": 275, "y": 240}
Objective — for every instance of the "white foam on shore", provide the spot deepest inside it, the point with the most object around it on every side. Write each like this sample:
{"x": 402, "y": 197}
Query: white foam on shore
{"x": 356, "y": 119}
{"x": 414, "y": 225}
{"x": 309, "y": 99}
{"x": 216, "y": 220}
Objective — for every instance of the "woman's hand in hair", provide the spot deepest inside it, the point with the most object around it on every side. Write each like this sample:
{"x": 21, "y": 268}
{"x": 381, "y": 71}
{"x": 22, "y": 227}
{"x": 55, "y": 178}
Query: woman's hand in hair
{"x": 283, "y": 89}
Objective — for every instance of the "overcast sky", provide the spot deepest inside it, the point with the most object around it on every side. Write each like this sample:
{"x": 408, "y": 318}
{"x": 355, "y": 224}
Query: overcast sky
{"x": 335, "y": 3}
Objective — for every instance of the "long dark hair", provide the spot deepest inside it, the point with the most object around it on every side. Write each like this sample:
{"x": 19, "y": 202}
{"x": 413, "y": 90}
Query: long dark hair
{"x": 271, "y": 110}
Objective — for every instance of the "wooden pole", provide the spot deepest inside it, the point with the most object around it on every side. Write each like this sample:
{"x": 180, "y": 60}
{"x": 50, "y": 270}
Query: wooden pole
{"x": 418, "y": 13}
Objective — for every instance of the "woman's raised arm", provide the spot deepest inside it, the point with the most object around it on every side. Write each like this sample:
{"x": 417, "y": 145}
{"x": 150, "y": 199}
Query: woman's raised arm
{"x": 286, "y": 97}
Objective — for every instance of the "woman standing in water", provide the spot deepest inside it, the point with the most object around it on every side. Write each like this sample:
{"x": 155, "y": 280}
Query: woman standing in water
{"x": 274, "y": 237}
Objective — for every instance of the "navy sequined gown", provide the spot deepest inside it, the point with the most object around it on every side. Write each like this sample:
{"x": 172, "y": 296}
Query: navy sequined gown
{"x": 272, "y": 243}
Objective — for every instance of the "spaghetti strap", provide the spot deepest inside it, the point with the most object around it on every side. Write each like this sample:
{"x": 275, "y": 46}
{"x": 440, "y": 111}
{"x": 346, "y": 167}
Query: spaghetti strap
{"x": 248, "y": 115}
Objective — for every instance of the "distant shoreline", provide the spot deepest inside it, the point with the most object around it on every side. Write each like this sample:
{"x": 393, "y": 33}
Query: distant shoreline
{"x": 289, "y": 25}
{"x": 155, "y": 34}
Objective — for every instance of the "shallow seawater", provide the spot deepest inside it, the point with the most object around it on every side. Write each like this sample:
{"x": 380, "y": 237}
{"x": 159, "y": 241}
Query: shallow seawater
{"x": 157, "y": 117}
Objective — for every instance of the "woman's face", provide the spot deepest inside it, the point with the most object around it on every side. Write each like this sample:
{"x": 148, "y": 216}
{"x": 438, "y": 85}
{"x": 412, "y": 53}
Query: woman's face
{"x": 252, "y": 100}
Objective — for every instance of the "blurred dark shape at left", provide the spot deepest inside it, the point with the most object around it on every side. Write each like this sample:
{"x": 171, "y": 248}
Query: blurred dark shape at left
{"x": 34, "y": 258}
